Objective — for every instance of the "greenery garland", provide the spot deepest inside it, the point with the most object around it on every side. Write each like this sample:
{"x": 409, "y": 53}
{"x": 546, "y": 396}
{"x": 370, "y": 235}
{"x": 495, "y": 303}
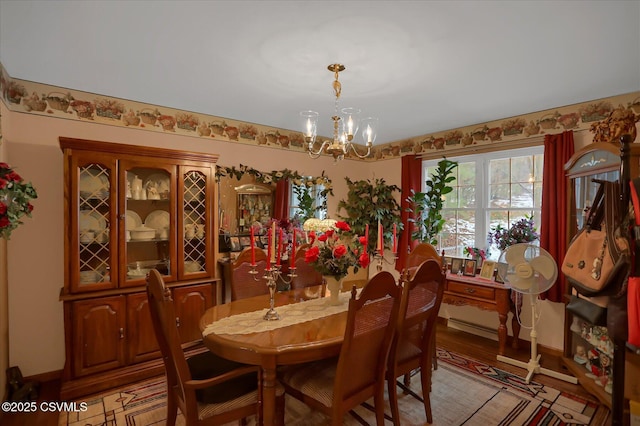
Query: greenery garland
{"x": 276, "y": 175}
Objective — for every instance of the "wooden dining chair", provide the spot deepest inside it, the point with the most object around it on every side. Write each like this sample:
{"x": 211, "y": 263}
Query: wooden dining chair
{"x": 208, "y": 390}
{"x": 335, "y": 386}
{"x": 420, "y": 253}
{"x": 306, "y": 275}
{"x": 243, "y": 283}
{"x": 414, "y": 342}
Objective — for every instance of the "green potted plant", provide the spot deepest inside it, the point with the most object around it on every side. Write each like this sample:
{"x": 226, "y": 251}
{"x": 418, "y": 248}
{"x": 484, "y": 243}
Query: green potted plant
{"x": 426, "y": 207}
{"x": 367, "y": 203}
{"x": 305, "y": 202}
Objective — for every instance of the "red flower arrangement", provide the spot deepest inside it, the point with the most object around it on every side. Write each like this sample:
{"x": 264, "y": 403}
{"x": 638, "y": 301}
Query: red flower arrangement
{"x": 336, "y": 250}
{"x": 15, "y": 200}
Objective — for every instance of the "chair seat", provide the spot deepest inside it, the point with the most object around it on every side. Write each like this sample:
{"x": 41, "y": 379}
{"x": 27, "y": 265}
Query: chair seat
{"x": 207, "y": 410}
{"x": 407, "y": 351}
{"x": 314, "y": 379}
{"x": 206, "y": 364}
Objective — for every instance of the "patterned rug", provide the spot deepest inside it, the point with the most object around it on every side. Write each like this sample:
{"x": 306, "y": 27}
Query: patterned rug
{"x": 465, "y": 392}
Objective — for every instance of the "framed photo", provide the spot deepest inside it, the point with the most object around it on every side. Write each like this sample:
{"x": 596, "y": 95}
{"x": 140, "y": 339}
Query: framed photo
{"x": 456, "y": 265}
{"x": 469, "y": 268}
{"x": 245, "y": 241}
{"x": 488, "y": 267}
{"x": 235, "y": 243}
{"x": 264, "y": 240}
{"x": 501, "y": 272}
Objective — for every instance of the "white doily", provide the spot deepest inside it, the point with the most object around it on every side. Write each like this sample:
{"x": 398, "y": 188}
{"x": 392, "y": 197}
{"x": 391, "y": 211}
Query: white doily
{"x": 295, "y": 313}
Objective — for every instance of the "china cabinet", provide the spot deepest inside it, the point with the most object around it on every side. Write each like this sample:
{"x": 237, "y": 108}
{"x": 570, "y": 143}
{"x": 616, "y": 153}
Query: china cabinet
{"x": 129, "y": 209}
{"x": 255, "y": 204}
{"x": 588, "y": 350}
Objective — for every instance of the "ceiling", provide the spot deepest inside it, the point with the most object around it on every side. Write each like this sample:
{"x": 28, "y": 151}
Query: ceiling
{"x": 420, "y": 66}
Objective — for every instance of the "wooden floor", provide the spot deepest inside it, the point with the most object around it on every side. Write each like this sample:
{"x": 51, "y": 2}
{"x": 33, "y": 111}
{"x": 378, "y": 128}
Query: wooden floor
{"x": 476, "y": 347}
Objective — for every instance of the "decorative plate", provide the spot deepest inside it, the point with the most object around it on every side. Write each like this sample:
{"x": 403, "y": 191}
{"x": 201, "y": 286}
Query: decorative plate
{"x": 91, "y": 220}
{"x": 93, "y": 184}
{"x": 132, "y": 220}
{"x": 157, "y": 219}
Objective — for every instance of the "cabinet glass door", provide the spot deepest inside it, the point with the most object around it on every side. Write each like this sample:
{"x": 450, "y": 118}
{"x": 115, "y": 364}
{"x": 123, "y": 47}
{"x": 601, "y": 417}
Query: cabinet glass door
{"x": 196, "y": 222}
{"x": 148, "y": 208}
{"x": 93, "y": 237}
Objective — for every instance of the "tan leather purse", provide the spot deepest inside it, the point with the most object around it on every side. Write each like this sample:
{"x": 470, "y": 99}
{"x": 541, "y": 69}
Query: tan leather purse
{"x": 597, "y": 259}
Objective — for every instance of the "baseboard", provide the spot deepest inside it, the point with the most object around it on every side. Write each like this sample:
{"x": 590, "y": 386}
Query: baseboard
{"x": 49, "y": 376}
{"x": 471, "y": 328}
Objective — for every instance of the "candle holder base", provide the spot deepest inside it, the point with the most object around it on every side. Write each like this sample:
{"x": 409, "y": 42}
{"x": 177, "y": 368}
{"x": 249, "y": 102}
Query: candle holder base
{"x": 271, "y": 315}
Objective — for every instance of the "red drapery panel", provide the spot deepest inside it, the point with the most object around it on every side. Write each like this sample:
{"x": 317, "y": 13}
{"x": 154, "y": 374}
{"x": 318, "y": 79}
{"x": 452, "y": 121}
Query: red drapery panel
{"x": 558, "y": 149}
{"x": 411, "y": 179}
{"x": 281, "y": 207}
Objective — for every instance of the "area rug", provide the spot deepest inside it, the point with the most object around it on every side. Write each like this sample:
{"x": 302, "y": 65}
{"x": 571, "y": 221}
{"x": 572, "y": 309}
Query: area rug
{"x": 465, "y": 392}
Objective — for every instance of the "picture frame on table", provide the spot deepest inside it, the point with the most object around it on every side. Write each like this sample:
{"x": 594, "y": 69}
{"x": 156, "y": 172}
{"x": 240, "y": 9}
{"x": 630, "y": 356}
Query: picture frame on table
{"x": 245, "y": 242}
{"x": 264, "y": 241}
{"x": 486, "y": 272}
{"x": 456, "y": 265}
{"x": 235, "y": 243}
{"x": 469, "y": 268}
{"x": 501, "y": 272}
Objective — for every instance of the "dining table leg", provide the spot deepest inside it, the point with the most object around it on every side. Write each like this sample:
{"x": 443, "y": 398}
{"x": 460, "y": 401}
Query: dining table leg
{"x": 269, "y": 391}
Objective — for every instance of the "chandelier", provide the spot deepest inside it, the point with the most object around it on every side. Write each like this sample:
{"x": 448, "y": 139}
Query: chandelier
{"x": 344, "y": 127}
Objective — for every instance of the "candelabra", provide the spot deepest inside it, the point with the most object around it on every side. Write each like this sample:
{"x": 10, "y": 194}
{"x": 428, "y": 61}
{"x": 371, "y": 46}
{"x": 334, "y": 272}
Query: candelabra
{"x": 379, "y": 256}
{"x": 272, "y": 274}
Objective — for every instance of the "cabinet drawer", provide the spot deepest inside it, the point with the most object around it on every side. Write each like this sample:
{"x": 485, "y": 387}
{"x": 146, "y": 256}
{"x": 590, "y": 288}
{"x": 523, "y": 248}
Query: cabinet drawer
{"x": 471, "y": 290}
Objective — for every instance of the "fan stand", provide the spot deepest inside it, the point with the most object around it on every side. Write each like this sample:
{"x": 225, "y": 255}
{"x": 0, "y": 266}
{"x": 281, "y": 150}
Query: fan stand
{"x": 533, "y": 366}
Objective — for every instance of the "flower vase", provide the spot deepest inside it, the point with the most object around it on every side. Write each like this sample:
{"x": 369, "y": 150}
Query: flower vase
{"x": 334, "y": 286}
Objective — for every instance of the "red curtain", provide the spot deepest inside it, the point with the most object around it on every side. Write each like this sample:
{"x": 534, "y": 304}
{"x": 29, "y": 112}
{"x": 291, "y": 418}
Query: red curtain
{"x": 558, "y": 149}
{"x": 411, "y": 179}
{"x": 281, "y": 207}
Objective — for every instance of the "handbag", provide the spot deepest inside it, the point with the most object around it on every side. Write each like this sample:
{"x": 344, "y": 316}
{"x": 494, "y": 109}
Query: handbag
{"x": 592, "y": 313}
{"x": 598, "y": 256}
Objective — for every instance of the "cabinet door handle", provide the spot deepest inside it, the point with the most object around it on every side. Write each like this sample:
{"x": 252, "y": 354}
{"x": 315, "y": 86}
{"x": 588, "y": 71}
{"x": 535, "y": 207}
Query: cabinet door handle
{"x": 121, "y": 333}
{"x": 177, "y": 321}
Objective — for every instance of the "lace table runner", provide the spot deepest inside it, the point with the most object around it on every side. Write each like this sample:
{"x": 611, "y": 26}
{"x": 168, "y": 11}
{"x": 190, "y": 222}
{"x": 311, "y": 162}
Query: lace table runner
{"x": 295, "y": 313}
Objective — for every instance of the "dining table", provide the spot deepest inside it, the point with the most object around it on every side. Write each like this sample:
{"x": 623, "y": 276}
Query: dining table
{"x": 309, "y": 329}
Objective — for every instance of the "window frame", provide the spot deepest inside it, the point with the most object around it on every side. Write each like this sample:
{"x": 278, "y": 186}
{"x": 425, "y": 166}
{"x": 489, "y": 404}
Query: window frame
{"x": 482, "y": 185}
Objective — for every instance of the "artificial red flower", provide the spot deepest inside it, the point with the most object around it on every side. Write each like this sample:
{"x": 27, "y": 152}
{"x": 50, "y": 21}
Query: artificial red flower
{"x": 343, "y": 226}
{"x": 13, "y": 176}
{"x": 3, "y": 183}
{"x": 322, "y": 238}
{"x": 339, "y": 251}
{"x": 3, "y": 208}
{"x": 363, "y": 241}
{"x": 4, "y": 221}
{"x": 329, "y": 232}
{"x": 312, "y": 237}
{"x": 311, "y": 255}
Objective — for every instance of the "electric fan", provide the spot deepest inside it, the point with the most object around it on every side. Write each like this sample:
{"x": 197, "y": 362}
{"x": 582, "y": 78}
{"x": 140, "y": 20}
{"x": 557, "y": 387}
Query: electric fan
{"x": 530, "y": 271}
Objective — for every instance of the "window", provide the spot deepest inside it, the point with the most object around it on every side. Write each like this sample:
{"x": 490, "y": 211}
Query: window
{"x": 490, "y": 189}
{"x": 307, "y": 201}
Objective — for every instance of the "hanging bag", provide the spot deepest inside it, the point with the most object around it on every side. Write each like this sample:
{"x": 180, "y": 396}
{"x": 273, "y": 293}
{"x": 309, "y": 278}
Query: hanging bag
{"x": 598, "y": 257}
